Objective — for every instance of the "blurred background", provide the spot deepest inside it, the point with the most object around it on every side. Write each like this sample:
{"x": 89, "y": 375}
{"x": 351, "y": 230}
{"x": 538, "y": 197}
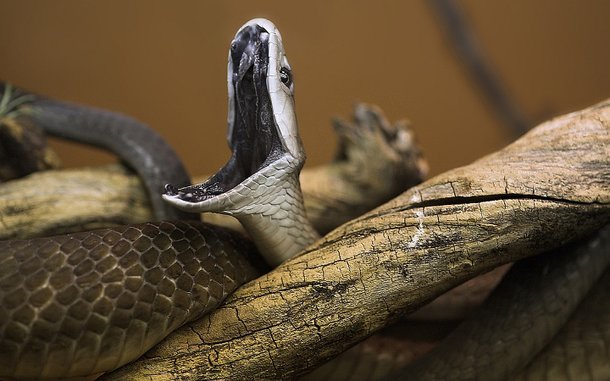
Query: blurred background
{"x": 165, "y": 64}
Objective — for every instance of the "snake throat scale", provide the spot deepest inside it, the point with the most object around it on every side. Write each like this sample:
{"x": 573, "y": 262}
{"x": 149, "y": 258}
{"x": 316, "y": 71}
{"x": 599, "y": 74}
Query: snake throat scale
{"x": 89, "y": 302}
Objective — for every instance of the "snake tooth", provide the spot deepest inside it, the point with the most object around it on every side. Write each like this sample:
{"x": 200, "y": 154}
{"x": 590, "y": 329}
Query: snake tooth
{"x": 91, "y": 301}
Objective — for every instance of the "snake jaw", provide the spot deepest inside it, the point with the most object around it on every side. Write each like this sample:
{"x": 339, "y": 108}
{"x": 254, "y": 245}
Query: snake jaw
{"x": 262, "y": 129}
{"x": 242, "y": 199}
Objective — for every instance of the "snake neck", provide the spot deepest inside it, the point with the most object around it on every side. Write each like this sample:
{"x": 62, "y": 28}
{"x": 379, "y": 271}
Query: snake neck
{"x": 278, "y": 240}
{"x": 278, "y": 222}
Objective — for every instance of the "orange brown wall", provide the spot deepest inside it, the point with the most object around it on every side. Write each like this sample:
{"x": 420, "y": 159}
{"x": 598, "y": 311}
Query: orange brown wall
{"x": 165, "y": 63}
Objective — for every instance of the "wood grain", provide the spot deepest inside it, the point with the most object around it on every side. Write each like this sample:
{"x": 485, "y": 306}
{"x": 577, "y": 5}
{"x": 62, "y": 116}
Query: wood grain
{"x": 546, "y": 189}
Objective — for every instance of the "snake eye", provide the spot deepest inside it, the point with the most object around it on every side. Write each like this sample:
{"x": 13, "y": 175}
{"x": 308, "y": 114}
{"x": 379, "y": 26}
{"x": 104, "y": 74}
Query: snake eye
{"x": 286, "y": 76}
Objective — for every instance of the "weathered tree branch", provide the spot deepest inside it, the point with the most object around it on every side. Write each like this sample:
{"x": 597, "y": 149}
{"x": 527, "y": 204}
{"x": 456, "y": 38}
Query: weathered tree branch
{"x": 548, "y": 188}
{"x": 376, "y": 162}
{"x": 58, "y": 201}
{"x": 511, "y": 329}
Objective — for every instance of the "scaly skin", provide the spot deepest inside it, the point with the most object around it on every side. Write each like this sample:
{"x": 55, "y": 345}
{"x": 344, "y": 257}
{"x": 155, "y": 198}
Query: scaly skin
{"x": 89, "y": 302}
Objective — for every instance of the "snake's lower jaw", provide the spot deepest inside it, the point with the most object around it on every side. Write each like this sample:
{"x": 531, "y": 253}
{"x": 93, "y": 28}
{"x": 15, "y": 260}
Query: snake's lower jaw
{"x": 268, "y": 203}
{"x": 247, "y": 197}
{"x": 212, "y": 204}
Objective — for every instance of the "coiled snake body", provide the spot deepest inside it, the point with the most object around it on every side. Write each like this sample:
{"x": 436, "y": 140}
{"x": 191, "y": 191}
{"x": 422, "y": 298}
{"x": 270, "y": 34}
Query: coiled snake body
{"x": 89, "y": 302}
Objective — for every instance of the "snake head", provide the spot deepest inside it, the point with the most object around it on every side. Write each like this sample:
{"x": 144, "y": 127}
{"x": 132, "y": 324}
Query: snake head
{"x": 262, "y": 128}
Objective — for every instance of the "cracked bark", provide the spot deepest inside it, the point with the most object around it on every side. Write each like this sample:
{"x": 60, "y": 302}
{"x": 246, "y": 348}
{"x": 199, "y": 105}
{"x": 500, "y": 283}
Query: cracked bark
{"x": 546, "y": 189}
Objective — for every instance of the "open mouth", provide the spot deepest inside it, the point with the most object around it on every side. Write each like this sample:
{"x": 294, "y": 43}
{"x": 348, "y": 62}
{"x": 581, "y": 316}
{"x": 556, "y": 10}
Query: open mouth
{"x": 253, "y": 134}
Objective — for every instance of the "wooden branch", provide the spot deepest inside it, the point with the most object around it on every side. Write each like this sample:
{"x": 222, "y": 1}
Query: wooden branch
{"x": 58, "y": 201}
{"x": 376, "y": 162}
{"x": 548, "y": 188}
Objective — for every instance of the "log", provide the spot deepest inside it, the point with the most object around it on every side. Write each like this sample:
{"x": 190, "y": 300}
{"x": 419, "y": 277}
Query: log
{"x": 61, "y": 201}
{"x": 549, "y": 188}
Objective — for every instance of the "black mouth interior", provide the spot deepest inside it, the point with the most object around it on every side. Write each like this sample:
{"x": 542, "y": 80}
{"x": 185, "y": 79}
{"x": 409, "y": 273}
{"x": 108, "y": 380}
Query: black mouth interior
{"x": 255, "y": 140}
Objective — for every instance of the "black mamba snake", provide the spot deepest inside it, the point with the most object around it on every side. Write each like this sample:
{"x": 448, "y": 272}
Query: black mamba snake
{"x": 89, "y": 302}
